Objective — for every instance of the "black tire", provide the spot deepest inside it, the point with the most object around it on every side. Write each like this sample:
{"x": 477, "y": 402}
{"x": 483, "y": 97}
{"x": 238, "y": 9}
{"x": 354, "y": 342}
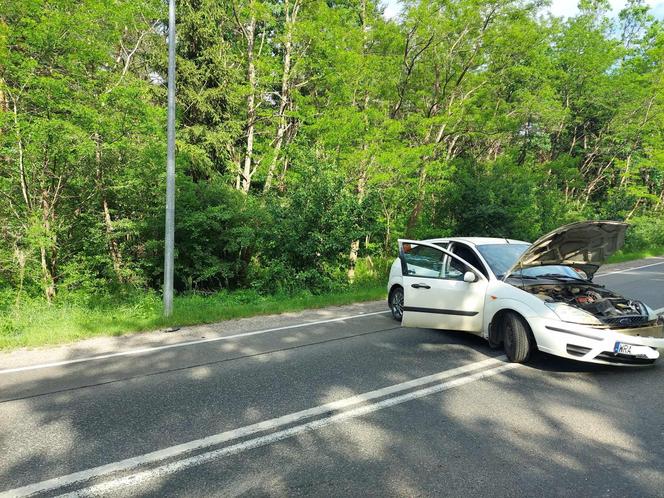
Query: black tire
{"x": 395, "y": 302}
{"x": 517, "y": 340}
{"x": 494, "y": 342}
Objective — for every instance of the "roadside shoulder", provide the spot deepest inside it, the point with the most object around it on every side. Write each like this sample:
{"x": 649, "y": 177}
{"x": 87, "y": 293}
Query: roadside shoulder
{"x": 104, "y": 345}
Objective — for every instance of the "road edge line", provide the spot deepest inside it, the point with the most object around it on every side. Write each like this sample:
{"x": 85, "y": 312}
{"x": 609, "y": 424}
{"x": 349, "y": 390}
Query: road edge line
{"x": 131, "y": 352}
{"x": 628, "y": 269}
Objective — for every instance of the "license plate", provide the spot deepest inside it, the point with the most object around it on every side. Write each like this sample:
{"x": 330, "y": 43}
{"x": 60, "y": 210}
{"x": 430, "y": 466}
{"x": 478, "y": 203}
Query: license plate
{"x": 622, "y": 348}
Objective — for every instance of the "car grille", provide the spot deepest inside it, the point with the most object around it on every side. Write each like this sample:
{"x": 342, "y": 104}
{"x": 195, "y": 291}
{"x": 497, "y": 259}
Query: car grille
{"x": 623, "y": 359}
{"x": 626, "y": 321}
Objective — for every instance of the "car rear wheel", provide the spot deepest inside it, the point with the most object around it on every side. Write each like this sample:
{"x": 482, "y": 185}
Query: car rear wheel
{"x": 517, "y": 340}
{"x": 396, "y": 303}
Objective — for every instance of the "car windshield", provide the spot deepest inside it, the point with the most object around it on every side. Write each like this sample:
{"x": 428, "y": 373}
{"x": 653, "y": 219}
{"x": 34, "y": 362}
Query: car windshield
{"x": 501, "y": 257}
{"x": 549, "y": 271}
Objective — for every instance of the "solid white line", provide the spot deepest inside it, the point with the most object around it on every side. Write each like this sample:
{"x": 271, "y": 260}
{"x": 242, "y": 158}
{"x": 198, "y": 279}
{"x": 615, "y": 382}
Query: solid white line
{"x": 133, "y": 463}
{"x": 171, "y": 468}
{"x": 629, "y": 269}
{"x": 182, "y": 344}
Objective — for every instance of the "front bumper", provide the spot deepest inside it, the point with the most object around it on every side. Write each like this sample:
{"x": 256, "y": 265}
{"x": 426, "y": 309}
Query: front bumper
{"x": 598, "y": 345}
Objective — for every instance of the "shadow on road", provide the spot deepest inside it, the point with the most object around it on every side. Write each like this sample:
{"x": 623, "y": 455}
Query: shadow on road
{"x": 551, "y": 428}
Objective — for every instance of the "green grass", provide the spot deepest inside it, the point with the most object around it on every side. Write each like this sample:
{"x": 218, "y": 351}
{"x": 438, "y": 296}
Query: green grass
{"x": 37, "y": 324}
{"x": 34, "y": 323}
{"x": 621, "y": 257}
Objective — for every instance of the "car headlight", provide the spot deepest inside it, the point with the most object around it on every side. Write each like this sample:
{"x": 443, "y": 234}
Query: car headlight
{"x": 571, "y": 314}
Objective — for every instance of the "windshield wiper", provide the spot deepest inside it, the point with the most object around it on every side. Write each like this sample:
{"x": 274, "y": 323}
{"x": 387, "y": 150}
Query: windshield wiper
{"x": 559, "y": 277}
{"x": 515, "y": 275}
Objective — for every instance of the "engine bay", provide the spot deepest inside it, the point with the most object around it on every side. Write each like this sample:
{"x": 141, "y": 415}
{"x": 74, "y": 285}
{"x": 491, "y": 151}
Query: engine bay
{"x": 608, "y": 307}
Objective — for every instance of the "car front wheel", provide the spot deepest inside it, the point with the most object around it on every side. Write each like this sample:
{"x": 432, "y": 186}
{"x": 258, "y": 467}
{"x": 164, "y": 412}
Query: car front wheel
{"x": 396, "y": 303}
{"x": 517, "y": 340}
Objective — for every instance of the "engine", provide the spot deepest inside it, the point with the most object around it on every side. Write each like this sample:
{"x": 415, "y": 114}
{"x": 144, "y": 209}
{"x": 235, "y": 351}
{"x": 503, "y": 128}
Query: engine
{"x": 608, "y": 307}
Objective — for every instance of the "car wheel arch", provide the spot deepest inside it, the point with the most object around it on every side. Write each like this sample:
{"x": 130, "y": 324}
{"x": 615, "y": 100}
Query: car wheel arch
{"x": 394, "y": 286}
{"x": 392, "y": 289}
{"x": 495, "y": 333}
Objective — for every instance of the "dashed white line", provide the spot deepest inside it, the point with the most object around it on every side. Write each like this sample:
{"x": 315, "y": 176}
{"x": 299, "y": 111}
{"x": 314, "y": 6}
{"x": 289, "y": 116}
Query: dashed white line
{"x": 183, "y": 344}
{"x": 330, "y": 411}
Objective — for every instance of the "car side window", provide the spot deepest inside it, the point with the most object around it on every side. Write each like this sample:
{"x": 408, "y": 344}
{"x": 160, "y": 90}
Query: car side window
{"x": 455, "y": 269}
{"x": 467, "y": 254}
{"x": 425, "y": 261}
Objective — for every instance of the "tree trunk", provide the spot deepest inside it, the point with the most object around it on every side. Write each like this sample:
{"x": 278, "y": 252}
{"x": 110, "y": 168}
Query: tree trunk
{"x": 47, "y": 252}
{"x": 113, "y": 248}
{"x": 4, "y": 104}
{"x": 355, "y": 245}
{"x": 247, "y": 172}
{"x": 625, "y": 175}
{"x": 631, "y": 213}
{"x": 419, "y": 203}
{"x": 282, "y": 177}
{"x": 49, "y": 281}
{"x": 21, "y": 165}
{"x": 352, "y": 259}
{"x": 387, "y": 213}
{"x": 291, "y": 18}
{"x": 660, "y": 201}
{"x": 21, "y": 258}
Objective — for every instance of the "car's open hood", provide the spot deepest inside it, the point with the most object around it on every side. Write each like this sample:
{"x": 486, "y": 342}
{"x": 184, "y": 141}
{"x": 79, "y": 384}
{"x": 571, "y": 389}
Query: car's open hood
{"x": 585, "y": 245}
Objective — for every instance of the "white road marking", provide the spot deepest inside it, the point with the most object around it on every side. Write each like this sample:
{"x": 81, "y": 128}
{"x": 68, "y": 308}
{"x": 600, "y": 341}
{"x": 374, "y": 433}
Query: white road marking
{"x": 183, "y": 344}
{"x": 327, "y": 410}
{"x": 133, "y": 480}
{"x": 629, "y": 269}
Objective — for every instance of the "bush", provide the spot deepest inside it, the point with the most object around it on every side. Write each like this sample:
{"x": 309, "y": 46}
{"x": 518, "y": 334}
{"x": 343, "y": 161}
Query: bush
{"x": 215, "y": 236}
{"x": 644, "y": 232}
{"x": 305, "y": 242}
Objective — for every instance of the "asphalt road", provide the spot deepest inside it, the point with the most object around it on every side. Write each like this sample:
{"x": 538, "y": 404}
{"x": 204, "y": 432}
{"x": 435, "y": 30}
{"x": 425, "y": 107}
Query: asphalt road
{"x": 333, "y": 402}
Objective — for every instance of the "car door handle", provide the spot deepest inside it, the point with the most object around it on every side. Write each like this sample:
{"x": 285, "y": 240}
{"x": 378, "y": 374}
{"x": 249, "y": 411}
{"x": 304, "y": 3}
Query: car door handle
{"x": 420, "y": 286}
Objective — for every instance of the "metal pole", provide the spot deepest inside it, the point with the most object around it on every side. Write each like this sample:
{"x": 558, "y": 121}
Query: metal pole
{"x": 169, "y": 239}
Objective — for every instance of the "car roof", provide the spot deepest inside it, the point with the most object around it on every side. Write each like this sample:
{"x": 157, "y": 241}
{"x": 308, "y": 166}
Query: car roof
{"x": 478, "y": 241}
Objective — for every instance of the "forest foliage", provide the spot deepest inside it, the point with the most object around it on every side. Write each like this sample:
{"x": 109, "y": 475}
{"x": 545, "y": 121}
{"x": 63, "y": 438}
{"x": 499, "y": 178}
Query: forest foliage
{"x": 312, "y": 133}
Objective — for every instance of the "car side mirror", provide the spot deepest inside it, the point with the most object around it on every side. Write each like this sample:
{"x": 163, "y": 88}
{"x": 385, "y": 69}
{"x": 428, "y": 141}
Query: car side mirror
{"x": 469, "y": 277}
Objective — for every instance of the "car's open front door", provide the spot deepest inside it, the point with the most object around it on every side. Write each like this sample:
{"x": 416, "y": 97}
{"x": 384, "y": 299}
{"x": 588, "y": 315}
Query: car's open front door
{"x": 441, "y": 290}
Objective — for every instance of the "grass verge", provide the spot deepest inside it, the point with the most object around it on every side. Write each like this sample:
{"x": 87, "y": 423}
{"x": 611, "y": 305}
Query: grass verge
{"x": 37, "y": 324}
{"x": 621, "y": 257}
{"x": 34, "y": 323}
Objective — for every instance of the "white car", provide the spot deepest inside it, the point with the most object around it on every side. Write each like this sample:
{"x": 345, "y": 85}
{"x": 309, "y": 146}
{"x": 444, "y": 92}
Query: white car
{"x": 526, "y": 297}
